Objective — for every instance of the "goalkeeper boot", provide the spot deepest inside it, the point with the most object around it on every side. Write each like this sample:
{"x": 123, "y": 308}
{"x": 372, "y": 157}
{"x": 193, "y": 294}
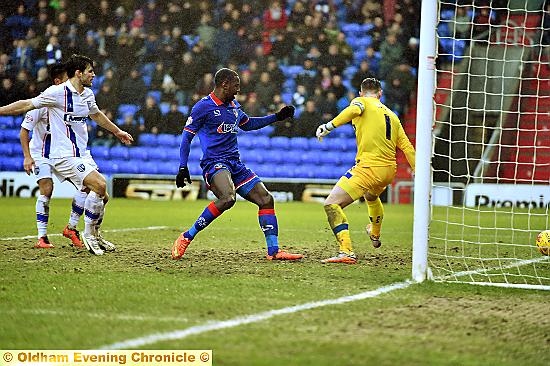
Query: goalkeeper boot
{"x": 179, "y": 247}
{"x": 375, "y": 239}
{"x": 74, "y": 235}
{"x": 284, "y": 256}
{"x": 43, "y": 242}
{"x": 342, "y": 257}
{"x": 92, "y": 244}
{"x": 105, "y": 245}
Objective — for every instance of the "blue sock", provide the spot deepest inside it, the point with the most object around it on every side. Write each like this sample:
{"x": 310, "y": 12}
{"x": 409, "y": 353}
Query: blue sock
{"x": 208, "y": 215}
{"x": 268, "y": 224}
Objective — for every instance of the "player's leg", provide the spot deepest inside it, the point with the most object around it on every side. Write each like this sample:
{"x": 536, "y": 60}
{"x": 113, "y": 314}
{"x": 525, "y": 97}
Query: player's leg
{"x": 94, "y": 207}
{"x": 77, "y": 210}
{"x": 381, "y": 177}
{"x": 250, "y": 187}
{"x": 338, "y": 222}
{"x": 223, "y": 188}
{"x": 45, "y": 186}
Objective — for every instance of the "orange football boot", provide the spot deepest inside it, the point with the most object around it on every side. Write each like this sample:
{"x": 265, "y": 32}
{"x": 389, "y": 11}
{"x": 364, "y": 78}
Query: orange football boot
{"x": 284, "y": 256}
{"x": 43, "y": 242}
{"x": 74, "y": 235}
{"x": 179, "y": 247}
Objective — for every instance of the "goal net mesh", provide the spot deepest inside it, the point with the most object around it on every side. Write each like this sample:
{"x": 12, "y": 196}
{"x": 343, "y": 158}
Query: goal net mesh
{"x": 491, "y": 160}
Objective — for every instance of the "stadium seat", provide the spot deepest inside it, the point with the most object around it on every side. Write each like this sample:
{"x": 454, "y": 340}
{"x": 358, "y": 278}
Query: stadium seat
{"x": 194, "y": 169}
{"x": 280, "y": 143}
{"x": 13, "y": 164}
{"x": 127, "y": 167}
{"x": 157, "y": 154}
{"x": 9, "y": 135}
{"x": 167, "y": 168}
{"x": 310, "y": 157}
{"x": 5, "y": 150}
{"x": 304, "y": 171}
{"x": 164, "y": 107}
{"x": 300, "y": 144}
{"x": 7, "y": 122}
{"x": 138, "y": 153}
{"x": 124, "y": 109}
{"x": 148, "y": 69}
{"x": 261, "y": 142}
{"x": 331, "y": 157}
{"x": 149, "y": 167}
{"x": 148, "y": 139}
{"x": 183, "y": 109}
{"x": 100, "y": 152}
{"x": 165, "y": 139}
{"x": 119, "y": 152}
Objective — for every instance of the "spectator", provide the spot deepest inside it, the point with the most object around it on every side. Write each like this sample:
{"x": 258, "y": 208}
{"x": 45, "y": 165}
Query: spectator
{"x": 461, "y": 24}
{"x": 252, "y": 105}
{"x": 265, "y": 89}
{"x": 19, "y": 23}
{"x": 106, "y": 97}
{"x": 363, "y": 73}
{"x": 337, "y": 86}
{"x": 404, "y": 74}
{"x": 397, "y": 97}
{"x": 22, "y": 56}
{"x": 275, "y": 16}
{"x": 334, "y": 60}
{"x": 149, "y": 116}
{"x": 9, "y": 92}
{"x": 158, "y": 76}
{"x": 247, "y": 84}
{"x": 410, "y": 54}
{"x": 43, "y": 79}
{"x": 226, "y": 43}
{"x": 308, "y": 121}
{"x": 377, "y": 33}
{"x": 205, "y": 85}
{"x": 132, "y": 89}
{"x": 53, "y": 51}
{"x": 151, "y": 15}
{"x": 308, "y": 75}
{"x": 174, "y": 120}
{"x": 391, "y": 53}
{"x": 328, "y": 109}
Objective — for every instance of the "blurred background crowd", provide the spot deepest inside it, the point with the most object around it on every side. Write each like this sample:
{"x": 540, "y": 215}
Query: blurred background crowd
{"x": 155, "y": 59}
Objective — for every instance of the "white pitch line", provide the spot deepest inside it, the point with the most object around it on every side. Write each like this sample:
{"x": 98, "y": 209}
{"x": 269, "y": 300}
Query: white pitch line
{"x": 109, "y": 316}
{"x": 254, "y": 318}
{"x": 106, "y": 231}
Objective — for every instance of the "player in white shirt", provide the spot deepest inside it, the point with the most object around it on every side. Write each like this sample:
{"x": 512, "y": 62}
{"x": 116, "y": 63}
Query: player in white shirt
{"x": 36, "y": 153}
{"x": 69, "y": 105}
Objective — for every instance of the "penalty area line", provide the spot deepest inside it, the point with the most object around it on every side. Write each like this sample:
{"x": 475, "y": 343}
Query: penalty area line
{"x": 248, "y": 319}
{"x": 105, "y": 231}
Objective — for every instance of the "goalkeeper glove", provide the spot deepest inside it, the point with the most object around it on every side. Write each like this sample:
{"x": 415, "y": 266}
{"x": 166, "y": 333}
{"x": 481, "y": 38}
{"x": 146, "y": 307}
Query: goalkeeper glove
{"x": 285, "y": 112}
{"x": 324, "y": 130}
{"x": 182, "y": 176}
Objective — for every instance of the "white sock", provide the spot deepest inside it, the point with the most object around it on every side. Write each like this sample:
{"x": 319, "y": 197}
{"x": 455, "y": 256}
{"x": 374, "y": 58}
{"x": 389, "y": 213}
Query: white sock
{"x": 77, "y": 209}
{"x": 92, "y": 210}
{"x": 42, "y": 214}
{"x": 100, "y": 219}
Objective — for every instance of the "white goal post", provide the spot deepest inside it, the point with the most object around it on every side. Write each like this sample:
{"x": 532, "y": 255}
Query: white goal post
{"x": 482, "y": 180}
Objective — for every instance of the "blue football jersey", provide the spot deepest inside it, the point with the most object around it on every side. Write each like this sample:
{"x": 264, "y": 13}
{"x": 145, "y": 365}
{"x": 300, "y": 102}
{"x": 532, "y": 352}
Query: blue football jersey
{"x": 216, "y": 125}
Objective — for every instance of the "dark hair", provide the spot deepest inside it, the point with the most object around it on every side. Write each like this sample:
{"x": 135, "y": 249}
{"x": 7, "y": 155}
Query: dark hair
{"x": 371, "y": 84}
{"x": 224, "y": 74}
{"x": 56, "y": 71}
{"x": 77, "y": 62}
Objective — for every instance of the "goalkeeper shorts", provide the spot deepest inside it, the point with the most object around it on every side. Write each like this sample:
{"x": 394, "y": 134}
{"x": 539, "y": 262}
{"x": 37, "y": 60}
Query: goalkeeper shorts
{"x": 362, "y": 179}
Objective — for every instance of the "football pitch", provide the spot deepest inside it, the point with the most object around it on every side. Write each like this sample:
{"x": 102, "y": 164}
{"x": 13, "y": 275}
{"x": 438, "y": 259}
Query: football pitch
{"x": 225, "y": 296}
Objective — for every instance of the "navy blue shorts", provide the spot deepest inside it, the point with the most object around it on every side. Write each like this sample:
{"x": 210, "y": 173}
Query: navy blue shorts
{"x": 243, "y": 178}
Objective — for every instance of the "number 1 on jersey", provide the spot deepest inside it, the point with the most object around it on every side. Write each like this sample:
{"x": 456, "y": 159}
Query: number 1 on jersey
{"x": 388, "y": 127}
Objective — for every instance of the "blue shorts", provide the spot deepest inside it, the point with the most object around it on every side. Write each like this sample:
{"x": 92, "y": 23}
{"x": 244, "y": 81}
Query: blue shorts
{"x": 243, "y": 178}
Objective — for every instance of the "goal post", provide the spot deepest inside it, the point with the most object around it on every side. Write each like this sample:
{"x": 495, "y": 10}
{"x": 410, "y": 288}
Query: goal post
{"x": 482, "y": 180}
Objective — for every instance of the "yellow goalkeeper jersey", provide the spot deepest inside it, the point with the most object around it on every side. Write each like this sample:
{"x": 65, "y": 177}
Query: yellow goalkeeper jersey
{"x": 378, "y": 132}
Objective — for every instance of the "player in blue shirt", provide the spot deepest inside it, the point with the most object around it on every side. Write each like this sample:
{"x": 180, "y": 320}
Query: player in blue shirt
{"x": 215, "y": 119}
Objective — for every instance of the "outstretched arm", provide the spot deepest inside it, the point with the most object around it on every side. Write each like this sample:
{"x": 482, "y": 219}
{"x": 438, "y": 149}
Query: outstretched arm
{"x": 353, "y": 110}
{"x": 185, "y": 147}
{"x": 16, "y": 108}
{"x": 255, "y": 123}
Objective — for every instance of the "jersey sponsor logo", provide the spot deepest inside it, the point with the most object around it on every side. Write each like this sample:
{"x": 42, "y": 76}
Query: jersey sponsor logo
{"x": 81, "y": 167}
{"x": 227, "y": 128}
{"x": 71, "y": 118}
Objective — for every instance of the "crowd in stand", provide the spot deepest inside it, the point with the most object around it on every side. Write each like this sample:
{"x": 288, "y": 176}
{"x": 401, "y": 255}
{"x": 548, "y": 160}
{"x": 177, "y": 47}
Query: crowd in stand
{"x": 173, "y": 47}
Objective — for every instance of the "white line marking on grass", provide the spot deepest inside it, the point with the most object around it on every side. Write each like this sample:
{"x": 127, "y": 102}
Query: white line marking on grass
{"x": 105, "y": 231}
{"x": 254, "y": 318}
{"x": 109, "y": 316}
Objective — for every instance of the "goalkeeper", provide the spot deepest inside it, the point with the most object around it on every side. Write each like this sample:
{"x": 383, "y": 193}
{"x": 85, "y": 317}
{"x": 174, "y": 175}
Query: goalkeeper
{"x": 378, "y": 132}
{"x": 215, "y": 119}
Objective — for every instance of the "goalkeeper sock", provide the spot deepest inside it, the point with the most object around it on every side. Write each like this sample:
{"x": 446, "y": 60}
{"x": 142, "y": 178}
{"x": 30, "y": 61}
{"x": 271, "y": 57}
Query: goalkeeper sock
{"x": 339, "y": 224}
{"x": 268, "y": 224}
{"x": 42, "y": 215}
{"x": 77, "y": 208}
{"x": 208, "y": 215}
{"x": 93, "y": 206}
{"x": 376, "y": 214}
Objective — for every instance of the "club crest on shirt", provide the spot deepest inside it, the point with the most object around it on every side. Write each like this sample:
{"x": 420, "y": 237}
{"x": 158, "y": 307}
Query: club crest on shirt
{"x": 81, "y": 168}
{"x": 36, "y": 170}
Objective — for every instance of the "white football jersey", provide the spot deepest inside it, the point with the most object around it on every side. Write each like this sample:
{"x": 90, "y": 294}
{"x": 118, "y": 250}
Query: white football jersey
{"x": 37, "y": 122}
{"x": 68, "y": 112}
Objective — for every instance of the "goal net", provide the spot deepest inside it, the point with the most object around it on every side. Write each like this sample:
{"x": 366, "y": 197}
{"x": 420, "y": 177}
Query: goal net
{"x": 490, "y": 140}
